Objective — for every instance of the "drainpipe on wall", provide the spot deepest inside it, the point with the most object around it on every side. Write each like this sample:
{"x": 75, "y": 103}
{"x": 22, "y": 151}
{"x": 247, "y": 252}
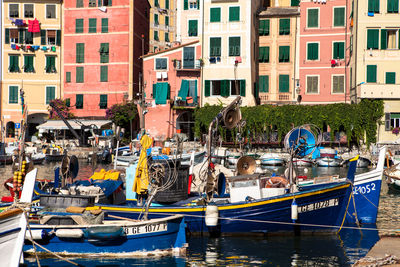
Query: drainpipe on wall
{"x": 61, "y": 49}
{"x": 202, "y": 56}
{"x": 356, "y": 52}
{"x": 345, "y": 56}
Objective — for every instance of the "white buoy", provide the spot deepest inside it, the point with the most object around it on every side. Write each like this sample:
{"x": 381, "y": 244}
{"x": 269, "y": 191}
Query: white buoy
{"x": 36, "y": 235}
{"x": 69, "y": 233}
{"x": 295, "y": 213}
{"x": 211, "y": 215}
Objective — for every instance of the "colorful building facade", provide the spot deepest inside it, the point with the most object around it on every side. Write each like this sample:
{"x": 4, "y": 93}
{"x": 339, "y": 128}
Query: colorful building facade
{"x": 324, "y": 57}
{"x": 172, "y": 87}
{"x": 162, "y": 24}
{"x": 31, "y": 61}
{"x": 103, "y": 41}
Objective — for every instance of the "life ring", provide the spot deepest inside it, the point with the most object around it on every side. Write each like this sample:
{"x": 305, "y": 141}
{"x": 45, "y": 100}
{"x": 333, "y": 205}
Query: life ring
{"x": 276, "y": 182}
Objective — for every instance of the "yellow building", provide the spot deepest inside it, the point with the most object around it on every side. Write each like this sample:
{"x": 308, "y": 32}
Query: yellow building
{"x": 162, "y": 24}
{"x": 375, "y": 53}
{"x": 31, "y": 49}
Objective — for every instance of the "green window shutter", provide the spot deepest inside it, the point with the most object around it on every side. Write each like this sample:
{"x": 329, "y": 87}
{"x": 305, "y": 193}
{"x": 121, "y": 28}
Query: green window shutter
{"x": 78, "y": 25}
{"x": 215, "y": 47}
{"x": 371, "y": 4}
{"x": 376, "y": 6}
{"x": 79, "y": 3}
{"x": 261, "y": 27}
{"x": 79, "y": 102}
{"x": 338, "y": 16}
{"x": 28, "y": 37}
{"x": 156, "y": 35}
{"x": 166, "y": 21}
{"x": 215, "y": 14}
{"x": 156, "y": 19}
{"x": 13, "y": 95}
{"x": 166, "y": 4}
{"x": 234, "y": 46}
{"x": 266, "y": 60}
{"x": 266, "y": 29}
{"x": 295, "y": 3}
{"x": 43, "y": 37}
{"x": 261, "y": 54}
{"x": 371, "y": 73}
{"x": 198, "y": 4}
{"x": 79, "y": 74}
{"x": 104, "y": 52}
{"x": 242, "y": 87}
{"x": 264, "y": 83}
{"x": 156, "y": 3}
{"x": 92, "y": 25}
{"x": 338, "y": 50}
{"x": 207, "y": 87}
{"x": 283, "y": 83}
{"x": 109, "y": 2}
{"x": 7, "y": 36}
{"x": 284, "y": 53}
{"x": 68, "y": 102}
{"x": 50, "y": 93}
{"x": 192, "y": 28}
{"x": 234, "y": 13}
{"x": 68, "y": 76}
{"x": 284, "y": 26}
{"x": 391, "y": 77}
{"x": 373, "y": 39}
{"x": 383, "y": 39}
{"x": 21, "y": 35}
{"x": 80, "y": 53}
{"x": 166, "y": 37}
{"x": 312, "y": 18}
{"x": 103, "y": 73}
{"x": 225, "y": 88}
{"x": 58, "y": 37}
{"x": 104, "y": 25}
{"x": 154, "y": 90}
{"x": 185, "y": 4}
{"x": 28, "y": 63}
{"x": 390, "y": 6}
{"x": 103, "y": 102}
{"x": 396, "y": 6}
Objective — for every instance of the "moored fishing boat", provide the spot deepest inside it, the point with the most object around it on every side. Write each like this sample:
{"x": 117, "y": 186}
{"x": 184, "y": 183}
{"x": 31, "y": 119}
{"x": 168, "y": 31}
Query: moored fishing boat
{"x": 306, "y": 162}
{"x": 272, "y": 159}
{"x": 393, "y": 178}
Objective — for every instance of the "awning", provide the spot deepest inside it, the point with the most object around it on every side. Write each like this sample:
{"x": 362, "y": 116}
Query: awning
{"x": 183, "y": 92}
{"x": 60, "y": 125}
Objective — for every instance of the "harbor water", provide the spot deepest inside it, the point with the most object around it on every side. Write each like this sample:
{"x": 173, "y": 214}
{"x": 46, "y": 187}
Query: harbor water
{"x": 318, "y": 250}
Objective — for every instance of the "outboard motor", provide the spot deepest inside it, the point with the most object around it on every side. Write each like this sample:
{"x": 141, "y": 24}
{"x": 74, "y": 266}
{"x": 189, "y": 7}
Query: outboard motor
{"x": 106, "y": 156}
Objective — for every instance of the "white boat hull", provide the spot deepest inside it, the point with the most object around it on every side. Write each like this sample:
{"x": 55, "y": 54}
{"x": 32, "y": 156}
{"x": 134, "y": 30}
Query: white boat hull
{"x": 328, "y": 162}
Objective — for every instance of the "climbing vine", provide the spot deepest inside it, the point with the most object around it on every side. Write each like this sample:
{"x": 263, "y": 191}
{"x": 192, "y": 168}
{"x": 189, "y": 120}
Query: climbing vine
{"x": 358, "y": 121}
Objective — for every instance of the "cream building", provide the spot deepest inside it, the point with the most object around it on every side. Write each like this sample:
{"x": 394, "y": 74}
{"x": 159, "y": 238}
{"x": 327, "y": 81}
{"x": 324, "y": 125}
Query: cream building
{"x": 375, "y": 53}
{"x": 188, "y": 20}
{"x": 31, "y": 49}
{"x": 229, "y": 51}
{"x": 162, "y": 24}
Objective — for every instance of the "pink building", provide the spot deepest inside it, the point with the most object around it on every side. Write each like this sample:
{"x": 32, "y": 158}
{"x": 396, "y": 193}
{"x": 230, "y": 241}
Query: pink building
{"x": 172, "y": 87}
{"x": 102, "y": 49}
{"x": 324, "y": 37}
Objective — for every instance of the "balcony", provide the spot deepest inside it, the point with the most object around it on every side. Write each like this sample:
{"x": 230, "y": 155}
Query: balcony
{"x": 188, "y": 66}
{"x": 373, "y": 90}
{"x": 189, "y": 103}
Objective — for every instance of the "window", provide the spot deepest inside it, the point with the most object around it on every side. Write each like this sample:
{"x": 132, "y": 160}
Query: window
{"x": 283, "y": 83}
{"x": 50, "y": 94}
{"x": 13, "y": 94}
{"x": 12, "y": 35}
{"x": 312, "y": 51}
{"x": 78, "y": 25}
{"x": 79, "y": 75}
{"x": 234, "y": 46}
{"x": 51, "y": 37}
{"x": 188, "y": 57}
{"x": 295, "y": 3}
{"x": 225, "y": 88}
{"x": 372, "y": 39}
{"x": 156, "y": 35}
{"x": 103, "y": 102}
{"x": 92, "y": 3}
{"x": 166, "y": 21}
{"x": 338, "y": 84}
{"x": 390, "y": 77}
{"x": 79, "y": 102}
{"x": 192, "y": 28}
{"x": 104, "y": 25}
{"x": 105, "y": 2}
{"x": 215, "y": 46}
{"x": 392, "y": 6}
{"x": 68, "y": 102}
{"x": 68, "y": 76}
{"x": 392, "y": 120}
{"x": 28, "y": 64}
{"x": 338, "y": 50}
{"x": 193, "y": 4}
{"x": 166, "y": 4}
{"x": 312, "y": 18}
{"x": 166, "y": 37}
{"x": 28, "y": 11}
{"x": 79, "y": 3}
{"x": 80, "y": 53}
{"x": 264, "y": 27}
{"x": 215, "y": 14}
{"x": 103, "y": 73}
{"x": 104, "y": 53}
{"x": 234, "y": 13}
{"x": 312, "y": 84}
{"x": 371, "y": 73}
{"x": 284, "y": 26}
{"x": 13, "y": 63}
{"x": 92, "y": 25}
{"x": 373, "y": 6}
{"x": 51, "y": 11}
{"x": 284, "y": 53}
{"x": 263, "y": 83}
{"x": 13, "y": 10}
{"x": 388, "y": 39}
{"x": 156, "y": 19}
{"x": 263, "y": 54}
{"x": 161, "y": 63}
{"x": 338, "y": 16}
{"x": 51, "y": 64}
{"x": 238, "y": 87}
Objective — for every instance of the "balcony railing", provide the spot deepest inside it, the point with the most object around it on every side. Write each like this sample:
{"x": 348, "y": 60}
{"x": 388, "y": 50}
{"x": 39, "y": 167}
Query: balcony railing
{"x": 181, "y": 65}
{"x": 188, "y": 103}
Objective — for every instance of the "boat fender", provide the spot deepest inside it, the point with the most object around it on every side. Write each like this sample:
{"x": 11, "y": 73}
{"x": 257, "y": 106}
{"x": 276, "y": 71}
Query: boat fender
{"x": 69, "y": 233}
{"x": 104, "y": 232}
{"x": 37, "y": 235}
{"x": 294, "y": 210}
{"x": 211, "y": 215}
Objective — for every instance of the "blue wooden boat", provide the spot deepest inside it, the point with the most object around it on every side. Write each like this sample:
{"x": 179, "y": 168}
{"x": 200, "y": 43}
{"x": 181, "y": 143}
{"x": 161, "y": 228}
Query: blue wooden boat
{"x": 111, "y": 238}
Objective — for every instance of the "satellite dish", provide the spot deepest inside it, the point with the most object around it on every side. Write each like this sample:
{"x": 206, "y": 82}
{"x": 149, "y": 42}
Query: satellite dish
{"x": 246, "y": 165}
{"x": 302, "y": 140}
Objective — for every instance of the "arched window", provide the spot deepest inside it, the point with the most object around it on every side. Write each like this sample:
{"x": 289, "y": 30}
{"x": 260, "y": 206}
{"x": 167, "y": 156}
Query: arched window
{"x": 10, "y": 129}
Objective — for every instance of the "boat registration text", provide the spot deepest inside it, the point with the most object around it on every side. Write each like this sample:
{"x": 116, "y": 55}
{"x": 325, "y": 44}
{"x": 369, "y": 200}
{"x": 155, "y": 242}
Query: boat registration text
{"x": 318, "y": 205}
{"x": 144, "y": 229}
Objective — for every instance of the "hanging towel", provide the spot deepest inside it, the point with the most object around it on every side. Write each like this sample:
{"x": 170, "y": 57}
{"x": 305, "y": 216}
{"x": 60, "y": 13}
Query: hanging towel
{"x": 13, "y": 46}
{"x": 19, "y": 22}
{"x": 53, "y": 48}
{"x": 164, "y": 75}
{"x": 17, "y": 47}
{"x": 34, "y": 26}
{"x": 30, "y": 25}
{"x": 158, "y": 75}
{"x": 44, "y": 48}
